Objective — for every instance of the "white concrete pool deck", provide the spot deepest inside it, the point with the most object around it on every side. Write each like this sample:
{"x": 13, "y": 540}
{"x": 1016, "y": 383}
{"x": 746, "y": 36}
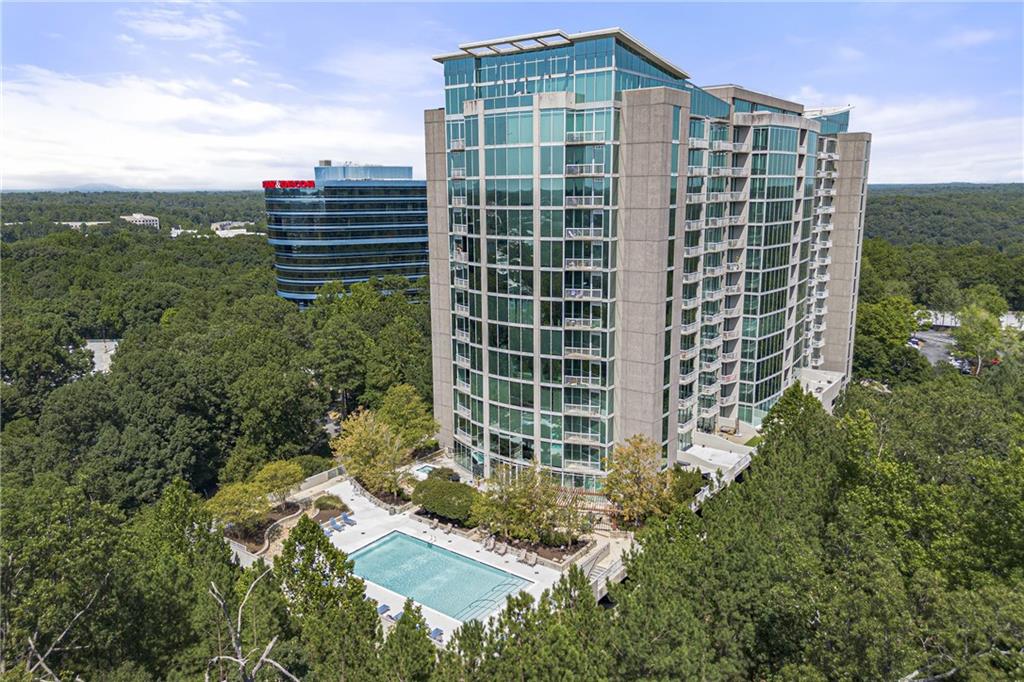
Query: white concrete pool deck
{"x": 373, "y": 523}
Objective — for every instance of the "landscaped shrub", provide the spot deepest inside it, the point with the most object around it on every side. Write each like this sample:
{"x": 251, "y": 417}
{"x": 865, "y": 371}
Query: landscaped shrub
{"x": 445, "y": 473}
{"x": 445, "y": 498}
{"x": 329, "y": 502}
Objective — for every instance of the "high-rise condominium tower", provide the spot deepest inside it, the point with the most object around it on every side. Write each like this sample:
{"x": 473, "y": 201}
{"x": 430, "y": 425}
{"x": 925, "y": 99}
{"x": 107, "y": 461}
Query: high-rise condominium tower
{"x": 350, "y": 224}
{"x": 615, "y": 251}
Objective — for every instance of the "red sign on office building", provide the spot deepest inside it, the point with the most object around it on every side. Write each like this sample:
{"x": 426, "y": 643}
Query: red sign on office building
{"x": 289, "y": 184}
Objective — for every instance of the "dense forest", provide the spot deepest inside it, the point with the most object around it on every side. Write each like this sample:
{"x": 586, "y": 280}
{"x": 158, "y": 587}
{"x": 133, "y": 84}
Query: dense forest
{"x": 947, "y": 215}
{"x": 33, "y": 214}
{"x": 884, "y": 542}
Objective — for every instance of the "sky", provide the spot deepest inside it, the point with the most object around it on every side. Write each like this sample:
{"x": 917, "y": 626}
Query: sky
{"x": 222, "y": 96}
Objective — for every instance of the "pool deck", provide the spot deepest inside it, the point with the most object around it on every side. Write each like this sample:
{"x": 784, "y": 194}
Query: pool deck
{"x": 373, "y": 523}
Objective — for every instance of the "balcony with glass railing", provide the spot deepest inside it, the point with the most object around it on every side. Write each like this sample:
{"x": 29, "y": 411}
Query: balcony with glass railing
{"x": 581, "y": 438}
{"x": 460, "y": 282}
{"x": 697, "y": 143}
{"x": 585, "y": 137}
{"x": 581, "y": 410}
{"x": 697, "y": 224}
{"x": 691, "y": 277}
{"x": 587, "y": 381}
{"x": 461, "y": 309}
{"x": 581, "y": 323}
{"x": 458, "y": 144}
{"x": 584, "y": 233}
{"x": 583, "y": 352}
{"x": 588, "y": 201}
{"x": 583, "y": 293}
{"x": 464, "y": 410}
{"x": 459, "y": 201}
{"x": 691, "y": 251}
{"x": 689, "y": 327}
{"x": 462, "y": 385}
{"x": 697, "y": 171}
{"x": 584, "y": 169}
{"x": 583, "y": 264}
{"x": 462, "y": 360}
{"x": 714, "y": 270}
{"x": 462, "y": 334}
{"x": 458, "y": 173}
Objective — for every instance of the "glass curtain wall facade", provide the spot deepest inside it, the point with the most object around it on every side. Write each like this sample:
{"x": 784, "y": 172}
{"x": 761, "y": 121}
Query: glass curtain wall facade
{"x": 557, "y": 181}
{"x": 351, "y": 224}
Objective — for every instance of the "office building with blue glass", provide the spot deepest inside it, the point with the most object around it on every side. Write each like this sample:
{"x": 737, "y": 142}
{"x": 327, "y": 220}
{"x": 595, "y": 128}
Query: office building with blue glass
{"x": 616, "y": 251}
{"x": 352, "y": 223}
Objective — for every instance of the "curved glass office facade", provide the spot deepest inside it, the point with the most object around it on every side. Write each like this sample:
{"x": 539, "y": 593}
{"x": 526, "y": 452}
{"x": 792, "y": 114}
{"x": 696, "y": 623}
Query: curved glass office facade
{"x": 346, "y": 230}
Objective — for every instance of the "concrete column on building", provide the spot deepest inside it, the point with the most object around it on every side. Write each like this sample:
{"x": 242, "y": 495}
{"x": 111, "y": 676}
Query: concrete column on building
{"x": 847, "y": 237}
{"x": 645, "y": 146}
{"x": 440, "y": 272}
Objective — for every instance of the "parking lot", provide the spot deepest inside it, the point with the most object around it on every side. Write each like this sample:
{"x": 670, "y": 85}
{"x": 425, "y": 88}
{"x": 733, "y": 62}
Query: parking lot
{"x": 936, "y": 345}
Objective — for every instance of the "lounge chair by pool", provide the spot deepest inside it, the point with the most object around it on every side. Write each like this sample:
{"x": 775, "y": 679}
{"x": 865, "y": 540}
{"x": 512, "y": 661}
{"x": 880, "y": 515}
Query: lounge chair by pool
{"x": 500, "y": 549}
{"x": 349, "y": 521}
{"x": 447, "y": 528}
{"x": 489, "y": 543}
{"x": 531, "y": 559}
{"x": 327, "y": 531}
{"x": 382, "y": 609}
{"x": 437, "y": 634}
{"x": 434, "y": 524}
{"x": 520, "y": 555}
{"x": 336, "y": 526}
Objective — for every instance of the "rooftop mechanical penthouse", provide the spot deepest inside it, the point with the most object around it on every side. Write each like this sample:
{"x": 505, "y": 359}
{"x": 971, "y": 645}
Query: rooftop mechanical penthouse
{"x": 614, "y": 250}
{"x": 349, "y": 224}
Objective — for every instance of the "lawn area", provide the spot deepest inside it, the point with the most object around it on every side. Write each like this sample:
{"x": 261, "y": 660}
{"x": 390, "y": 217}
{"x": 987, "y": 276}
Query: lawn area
{"x": 753, "y": 441}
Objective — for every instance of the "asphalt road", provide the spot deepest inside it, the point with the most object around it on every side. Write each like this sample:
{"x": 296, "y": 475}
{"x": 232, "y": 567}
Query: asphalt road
{"x": 936, "y": 345}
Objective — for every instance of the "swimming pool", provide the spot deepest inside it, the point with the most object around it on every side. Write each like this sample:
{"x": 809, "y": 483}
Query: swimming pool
{"x": 425, "y": 469}
{"x": 437, "y": 578}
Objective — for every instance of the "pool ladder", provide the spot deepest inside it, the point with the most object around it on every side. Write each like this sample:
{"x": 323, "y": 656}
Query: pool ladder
{"x": 489, "y": 600}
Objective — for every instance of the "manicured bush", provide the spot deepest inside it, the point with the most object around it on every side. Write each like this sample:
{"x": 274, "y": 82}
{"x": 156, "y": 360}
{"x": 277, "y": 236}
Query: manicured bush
{"x": 445, "y": 498}
{"x": 445, "y": 473}
{"x": 329, "y": 502}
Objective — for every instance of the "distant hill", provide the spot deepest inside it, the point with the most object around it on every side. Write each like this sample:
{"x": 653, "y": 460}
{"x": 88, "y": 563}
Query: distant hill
{"x": 946, "y": 215}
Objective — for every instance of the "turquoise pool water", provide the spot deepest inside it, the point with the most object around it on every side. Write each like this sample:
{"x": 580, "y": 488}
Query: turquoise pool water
{"x": 426, "y": 469}
{"x": 453, "y": 584}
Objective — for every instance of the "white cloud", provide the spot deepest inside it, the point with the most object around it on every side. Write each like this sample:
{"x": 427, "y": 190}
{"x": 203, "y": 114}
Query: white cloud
{"x": 381, "y": 69}
{"x": 126, "y": 39}
{"x": 849, "y": 54}
{"x": 175, "y": 23}
{"x": 932, "y": 139}
{"x": 60, "y": 130}
{"x": 809, "y": 96}
{"x": 209, "y": 25}
{"x": 969, "y": 38}
{"x": 239, "y": 82}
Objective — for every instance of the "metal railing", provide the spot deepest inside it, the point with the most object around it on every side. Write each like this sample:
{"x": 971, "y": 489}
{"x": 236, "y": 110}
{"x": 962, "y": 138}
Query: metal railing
{"x": 586, "y": 201}
{"x": 580, "y": 293}
{"x": 581, "y": 323}
{"x": 576, "y": 169}
{"x": 584, "y": 137}
{"x": 584, "y": 232}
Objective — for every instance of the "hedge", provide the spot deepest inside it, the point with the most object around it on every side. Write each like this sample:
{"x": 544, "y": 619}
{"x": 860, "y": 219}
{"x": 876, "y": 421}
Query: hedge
{"x": 444, "y": 498}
